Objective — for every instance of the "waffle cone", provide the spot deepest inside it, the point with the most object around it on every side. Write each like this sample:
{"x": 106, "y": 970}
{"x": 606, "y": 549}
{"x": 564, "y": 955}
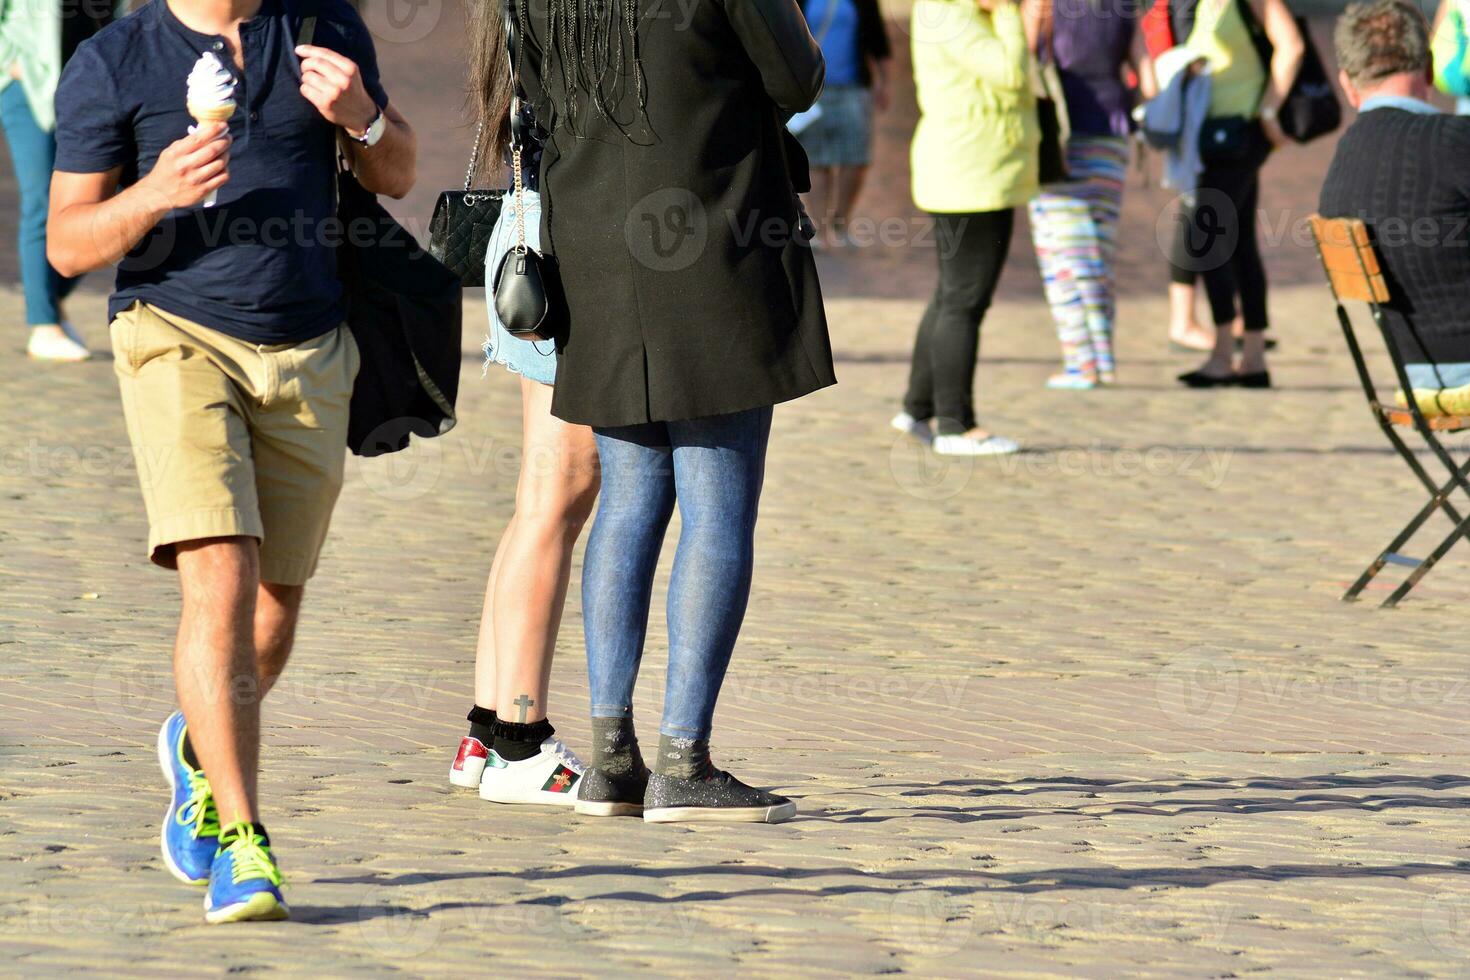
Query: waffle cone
{"x": 212, "y": 113}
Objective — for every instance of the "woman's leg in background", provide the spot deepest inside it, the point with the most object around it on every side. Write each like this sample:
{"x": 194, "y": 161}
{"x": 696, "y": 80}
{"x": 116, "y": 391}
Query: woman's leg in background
{"x": 719, "y": 468}
{"x": 622, "y": 555}
{"x": 1239, "y": 273}
{"x": 33, "y": 154}
{"x": 1061, "y": 229}
{"x": 847, "y": 185}
{"x": 1250, "y": 281}
{"x": 821, "y": 201}
{"x": 1103, "y": 162}
{"x": 555, "y": 493}
{"x": 972, "y": 253}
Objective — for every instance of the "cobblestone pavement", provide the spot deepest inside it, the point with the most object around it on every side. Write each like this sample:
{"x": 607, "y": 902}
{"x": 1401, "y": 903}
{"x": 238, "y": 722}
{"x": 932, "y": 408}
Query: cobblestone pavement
{"x": 1090, "y": 710}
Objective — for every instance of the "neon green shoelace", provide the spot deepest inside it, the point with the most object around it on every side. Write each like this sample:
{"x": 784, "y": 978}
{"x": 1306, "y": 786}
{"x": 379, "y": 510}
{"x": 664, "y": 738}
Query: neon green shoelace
{"x": 199, "y": 808}
{"x": 250, "y": 857}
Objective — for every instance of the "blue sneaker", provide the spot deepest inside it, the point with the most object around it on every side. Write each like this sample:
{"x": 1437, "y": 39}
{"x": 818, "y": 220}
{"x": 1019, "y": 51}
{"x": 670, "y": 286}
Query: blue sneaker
{"x": 190, "y": 833}
{"x": 245, "y": 883}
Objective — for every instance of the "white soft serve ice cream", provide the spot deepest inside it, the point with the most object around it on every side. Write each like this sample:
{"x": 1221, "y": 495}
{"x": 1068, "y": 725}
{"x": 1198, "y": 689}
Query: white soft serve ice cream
{"x": 210, "y": 84}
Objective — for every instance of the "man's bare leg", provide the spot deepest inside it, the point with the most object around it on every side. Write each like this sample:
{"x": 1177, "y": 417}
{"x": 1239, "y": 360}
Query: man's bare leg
{"x": 277, "y": 608}
{"x": 215, "y": 668}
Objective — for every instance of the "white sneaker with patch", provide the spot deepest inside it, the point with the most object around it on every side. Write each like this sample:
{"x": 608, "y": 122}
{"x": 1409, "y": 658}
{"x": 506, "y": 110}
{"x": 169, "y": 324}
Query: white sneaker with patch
{"x": 469, "y": 762}
{"x": 551, "y": 777}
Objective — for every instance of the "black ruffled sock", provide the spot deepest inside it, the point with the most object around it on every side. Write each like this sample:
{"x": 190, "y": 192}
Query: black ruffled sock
{"x": 482, "y": 724}
{"x": 516, "y": 743}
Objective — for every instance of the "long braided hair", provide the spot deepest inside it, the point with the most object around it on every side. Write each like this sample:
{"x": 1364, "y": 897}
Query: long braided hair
{"x": 592, "y": 49}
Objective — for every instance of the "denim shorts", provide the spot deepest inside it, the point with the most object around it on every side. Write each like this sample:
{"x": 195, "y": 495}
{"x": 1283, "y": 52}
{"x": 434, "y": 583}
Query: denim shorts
{"x": 534, "y": 360}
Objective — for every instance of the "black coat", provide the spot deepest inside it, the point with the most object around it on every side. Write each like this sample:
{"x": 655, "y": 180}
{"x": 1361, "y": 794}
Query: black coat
{"x": 689, "y": 290}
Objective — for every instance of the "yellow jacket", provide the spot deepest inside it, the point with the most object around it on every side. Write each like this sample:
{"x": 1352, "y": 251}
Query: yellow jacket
{"x": 975, "y": 145}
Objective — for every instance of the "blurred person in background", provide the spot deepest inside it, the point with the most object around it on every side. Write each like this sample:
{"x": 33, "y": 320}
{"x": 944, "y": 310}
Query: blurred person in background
{"x": 1216, "y": 235}
{"x": 974, "y": 161}
{"x": 1074, "y": 223}
{"x": 38, "y": 38}
{"x": 838, "y": 142}
{"x": 1450, "y": 45}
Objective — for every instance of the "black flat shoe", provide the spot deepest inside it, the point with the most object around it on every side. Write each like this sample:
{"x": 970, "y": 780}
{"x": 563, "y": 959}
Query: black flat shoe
{"x": 1198, "y": 379}
{"x": 1258, "y": 379}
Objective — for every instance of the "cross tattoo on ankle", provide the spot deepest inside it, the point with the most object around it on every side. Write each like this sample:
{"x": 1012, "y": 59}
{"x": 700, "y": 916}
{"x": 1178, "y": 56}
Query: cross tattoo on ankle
{"x": 523, "y": 702}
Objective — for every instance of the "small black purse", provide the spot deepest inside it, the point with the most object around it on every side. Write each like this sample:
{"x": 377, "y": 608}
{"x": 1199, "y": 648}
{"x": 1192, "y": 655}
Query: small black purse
{"x": 523, "y": 282}
{"x": 459, "y": 232}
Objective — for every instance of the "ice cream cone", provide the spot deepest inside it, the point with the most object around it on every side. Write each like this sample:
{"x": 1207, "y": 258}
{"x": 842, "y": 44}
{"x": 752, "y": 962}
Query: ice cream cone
{"x": 207, "y": 114}
{"x": 211, "y": 113}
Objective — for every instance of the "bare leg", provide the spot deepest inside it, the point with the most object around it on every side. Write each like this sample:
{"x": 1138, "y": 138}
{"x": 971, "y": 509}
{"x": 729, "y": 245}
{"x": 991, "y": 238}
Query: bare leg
{"x": 277, "y": 608}
{"x": 821, "y": 200}
{"x": 215, "y": 668}
{"x": 1184, "y": 329}
{"x": 558, "y": 486}
{"x": 485, "y": 647}
{"x": 1253, "y": 352}
{"x": 848, "y": 184}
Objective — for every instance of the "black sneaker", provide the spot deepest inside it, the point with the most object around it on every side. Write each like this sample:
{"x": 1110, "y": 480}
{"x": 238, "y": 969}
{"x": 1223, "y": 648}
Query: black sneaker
{"x": 605, "y": 795}
{"x": 716, "y": 798}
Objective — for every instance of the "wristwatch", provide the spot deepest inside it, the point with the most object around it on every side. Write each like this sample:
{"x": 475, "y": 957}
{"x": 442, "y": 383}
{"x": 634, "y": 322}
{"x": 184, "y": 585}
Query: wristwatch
{"x": 374, "y": 132}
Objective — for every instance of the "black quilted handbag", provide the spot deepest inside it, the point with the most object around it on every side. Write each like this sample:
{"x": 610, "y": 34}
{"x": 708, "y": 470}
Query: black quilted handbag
{"x": 459, "y": 233}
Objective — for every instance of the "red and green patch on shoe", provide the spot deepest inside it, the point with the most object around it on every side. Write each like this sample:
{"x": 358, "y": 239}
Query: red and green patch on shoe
{"x": 563, "y": 780}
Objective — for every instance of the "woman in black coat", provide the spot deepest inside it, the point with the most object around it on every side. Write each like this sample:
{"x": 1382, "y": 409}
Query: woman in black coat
{"x": 669, "y": 202}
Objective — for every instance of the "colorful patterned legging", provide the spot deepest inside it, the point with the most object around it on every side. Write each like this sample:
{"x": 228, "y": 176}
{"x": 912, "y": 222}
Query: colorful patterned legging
{"x": 1074, "y": 227}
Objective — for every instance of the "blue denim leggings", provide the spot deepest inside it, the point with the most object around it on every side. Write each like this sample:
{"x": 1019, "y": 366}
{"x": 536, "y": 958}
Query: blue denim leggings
{"x": 32, "y": 153}
{"x": 713, "y": 469}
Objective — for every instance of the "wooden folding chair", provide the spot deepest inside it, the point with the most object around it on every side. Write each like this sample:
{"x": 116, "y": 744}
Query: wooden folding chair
{"x": 1353, "y": 273}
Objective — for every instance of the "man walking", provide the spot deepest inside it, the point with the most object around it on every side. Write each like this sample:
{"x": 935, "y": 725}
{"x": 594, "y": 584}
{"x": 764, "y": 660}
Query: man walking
{"x": 235, "y": 367}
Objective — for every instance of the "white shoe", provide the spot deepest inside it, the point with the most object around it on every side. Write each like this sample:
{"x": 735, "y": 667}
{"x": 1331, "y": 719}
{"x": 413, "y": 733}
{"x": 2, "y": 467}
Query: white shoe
{"x": 56, "y": 343}
{"x": 966, "y": 445}
{"x": 910, "y": 426}
{"x": 469, "y": 762}
{"x": 551, "y": 777}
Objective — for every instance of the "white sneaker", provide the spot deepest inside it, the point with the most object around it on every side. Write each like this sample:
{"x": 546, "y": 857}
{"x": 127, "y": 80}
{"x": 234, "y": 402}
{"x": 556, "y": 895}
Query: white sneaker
{"x": 551, "y": 777}
{"x": 56, "y": 343}
{"x": 469, "y": 762}
{"x": 974, "y": 446}
{"x": 910, "y": 426}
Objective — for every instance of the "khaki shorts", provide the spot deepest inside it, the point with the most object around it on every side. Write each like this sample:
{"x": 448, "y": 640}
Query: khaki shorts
{"x": 235, "y": 439}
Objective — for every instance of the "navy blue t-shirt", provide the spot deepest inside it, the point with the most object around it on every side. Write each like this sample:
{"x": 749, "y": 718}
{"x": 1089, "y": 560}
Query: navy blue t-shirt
{"x": 260, "y": 265}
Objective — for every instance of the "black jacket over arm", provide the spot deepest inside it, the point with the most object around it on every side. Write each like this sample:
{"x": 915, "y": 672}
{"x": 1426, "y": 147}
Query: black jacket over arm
{"x": 675, "y": 225}
{"x": 1407, "y": 176}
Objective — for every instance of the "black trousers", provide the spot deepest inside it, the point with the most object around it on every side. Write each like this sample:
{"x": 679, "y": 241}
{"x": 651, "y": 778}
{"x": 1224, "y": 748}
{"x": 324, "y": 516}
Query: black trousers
{"x": 972, "y": 250}
{"x": 1216, "y": 238}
